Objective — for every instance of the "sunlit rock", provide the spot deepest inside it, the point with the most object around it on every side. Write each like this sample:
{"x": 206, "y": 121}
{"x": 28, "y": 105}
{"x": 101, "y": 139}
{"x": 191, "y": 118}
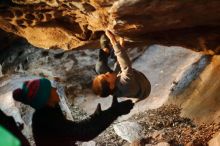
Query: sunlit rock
{"x": 215, "y": 141}
{"x": 72, "y": 24}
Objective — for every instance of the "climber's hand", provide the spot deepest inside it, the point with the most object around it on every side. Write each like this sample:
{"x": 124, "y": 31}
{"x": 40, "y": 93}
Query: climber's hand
{"x": 111, "y": 37}
{"x": 122, "y": 108}
{"x": 122, "y": 41}
{"x": 116, "y": 109}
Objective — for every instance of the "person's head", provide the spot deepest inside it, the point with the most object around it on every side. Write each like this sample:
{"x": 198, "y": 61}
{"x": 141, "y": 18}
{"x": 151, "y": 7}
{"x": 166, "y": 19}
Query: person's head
{"x": 104, "y": 84}
{"x": 37, "y": 93}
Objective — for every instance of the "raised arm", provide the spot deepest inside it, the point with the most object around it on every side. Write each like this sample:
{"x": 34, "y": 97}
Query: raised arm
{"x": 52, "y": 124}
{"x": 122, "y": 57}
{"x": 100, "y": 120}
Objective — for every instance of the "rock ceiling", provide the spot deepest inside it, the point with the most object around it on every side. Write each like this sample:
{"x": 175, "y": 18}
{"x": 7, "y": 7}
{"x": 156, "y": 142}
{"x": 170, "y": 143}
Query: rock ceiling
{"x": 71, "y": 24}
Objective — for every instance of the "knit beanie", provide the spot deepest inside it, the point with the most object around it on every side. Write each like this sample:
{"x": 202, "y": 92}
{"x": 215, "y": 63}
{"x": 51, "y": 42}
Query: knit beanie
{"x": 35, "y": 93}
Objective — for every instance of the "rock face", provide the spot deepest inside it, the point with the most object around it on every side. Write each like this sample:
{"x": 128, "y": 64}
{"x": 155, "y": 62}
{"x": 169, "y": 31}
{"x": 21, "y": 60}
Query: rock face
{"x": 215, "y": 141}
{"x": 200, "y": 100}
{"x": 71, "y": 24}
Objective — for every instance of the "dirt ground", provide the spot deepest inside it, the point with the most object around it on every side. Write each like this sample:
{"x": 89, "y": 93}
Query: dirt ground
{"x": 164, "y": 124}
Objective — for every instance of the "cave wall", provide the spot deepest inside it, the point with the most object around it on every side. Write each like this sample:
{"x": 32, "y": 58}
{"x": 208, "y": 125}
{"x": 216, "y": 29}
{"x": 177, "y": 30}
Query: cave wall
{"x": 200, "y": 100}
{"x": 74, "y": 24}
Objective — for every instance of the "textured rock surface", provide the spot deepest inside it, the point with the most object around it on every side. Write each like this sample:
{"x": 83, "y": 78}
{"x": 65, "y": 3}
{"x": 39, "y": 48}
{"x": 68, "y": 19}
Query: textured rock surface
{"x": 129, "y": 131}
{"x": 215, "y": 141}
{"x": 200, "y": 100}
{"x": 71, "y": 24}
{"x": 90, "y": 143}
{"x": 163, "y": 144}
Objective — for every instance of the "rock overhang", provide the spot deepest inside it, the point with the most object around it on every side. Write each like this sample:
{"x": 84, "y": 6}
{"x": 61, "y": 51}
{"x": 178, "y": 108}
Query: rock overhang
{"x": 77, "y": 24}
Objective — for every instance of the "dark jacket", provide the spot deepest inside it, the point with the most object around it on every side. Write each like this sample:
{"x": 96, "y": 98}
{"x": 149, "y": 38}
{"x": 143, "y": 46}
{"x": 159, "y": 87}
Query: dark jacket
{"x": 51, "y": 128}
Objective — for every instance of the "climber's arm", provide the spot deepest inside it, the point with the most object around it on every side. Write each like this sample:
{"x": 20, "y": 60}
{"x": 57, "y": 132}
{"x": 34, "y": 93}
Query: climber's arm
{"x": 122, "y": 57}
{"x": 90, "y": 128}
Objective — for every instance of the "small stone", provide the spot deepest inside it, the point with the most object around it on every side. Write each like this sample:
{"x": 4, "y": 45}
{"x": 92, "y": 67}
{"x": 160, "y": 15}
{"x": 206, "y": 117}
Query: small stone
{"x": 140, "y": 142}
{"x": 215, "y": 141}
{"x": 1, "y": 74}
{"x": 136, "y": 143}
{"x": 57, "y": 79}
{"x": 89, "y": 143}
{"x": 129, "y": 131}
{"x": 47, "y": 59}
{"x": 194, "y": 143}
{"x": 190, "y": 143}
{"x": 163, "y": 144}
{"x": 68, "y": 66}
{"x": 158, "y": 134}
{"x": 126, "y": 144}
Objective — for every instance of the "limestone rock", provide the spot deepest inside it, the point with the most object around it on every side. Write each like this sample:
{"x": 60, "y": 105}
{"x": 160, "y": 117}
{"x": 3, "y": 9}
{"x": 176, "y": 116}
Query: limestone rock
{"x": 163, "y": 144}
{"x": 63, "y": 103}
{"x": 89, "y": 143}
{"x": 159, "y": 144}
{"x": 73, "y": 24}
{"x": 129, "y": 131}
{"x": 1, "y": 74}
{"x": 215, "y": 141}
{"x": 198, "y": 105}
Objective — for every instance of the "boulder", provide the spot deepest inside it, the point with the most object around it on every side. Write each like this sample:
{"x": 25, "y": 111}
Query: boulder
{"x": 129, "y": 131}
{"x": 89, "y": 143}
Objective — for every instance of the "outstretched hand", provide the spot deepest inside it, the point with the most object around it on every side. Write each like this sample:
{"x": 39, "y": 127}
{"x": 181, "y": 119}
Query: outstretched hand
{"x": 111, "y": 37}
{"x": 117, "y": 108}
{"x": 122, "y": 108}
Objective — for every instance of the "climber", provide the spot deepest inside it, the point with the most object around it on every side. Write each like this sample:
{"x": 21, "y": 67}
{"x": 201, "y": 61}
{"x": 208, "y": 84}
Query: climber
{"x": 124, "y": 81}
{"x": 49, "y": 125}
{"x": 10, "y": 132}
